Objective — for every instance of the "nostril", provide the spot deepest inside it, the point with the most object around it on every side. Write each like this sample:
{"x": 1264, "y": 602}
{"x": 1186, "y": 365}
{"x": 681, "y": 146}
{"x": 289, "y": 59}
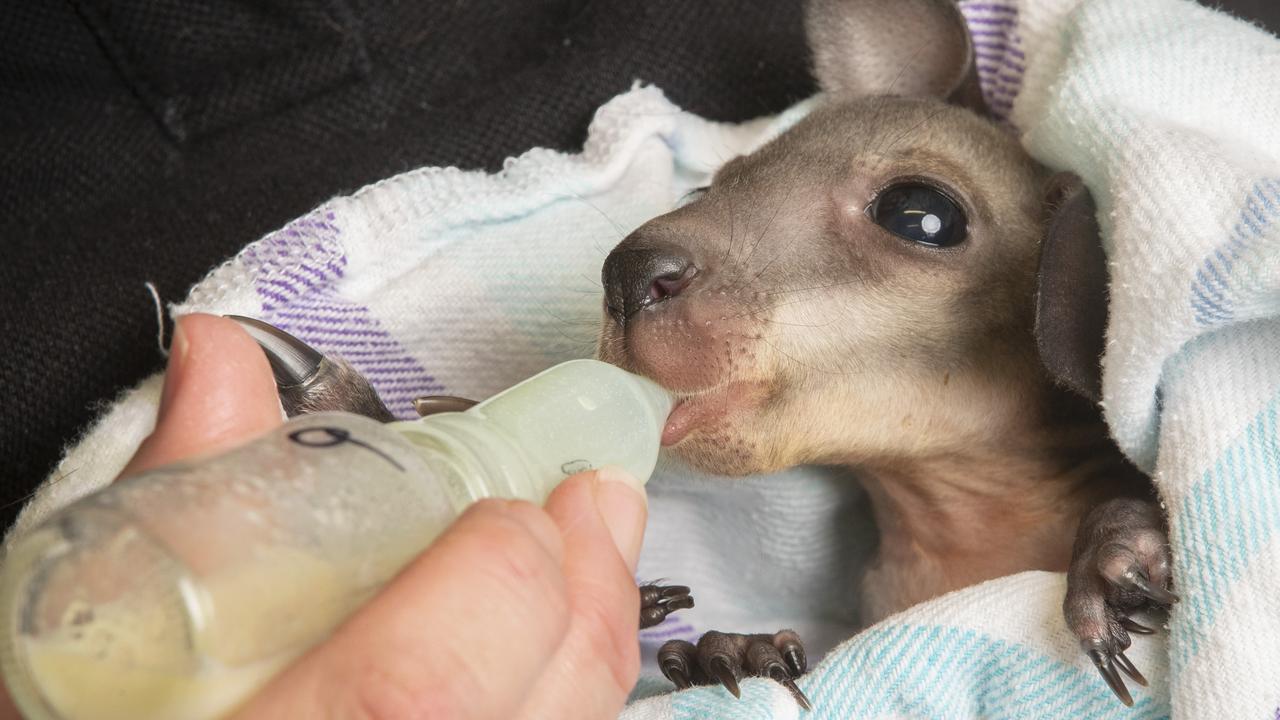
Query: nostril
{"x": 641, "y": 273}
{"x": 671, "y": 284}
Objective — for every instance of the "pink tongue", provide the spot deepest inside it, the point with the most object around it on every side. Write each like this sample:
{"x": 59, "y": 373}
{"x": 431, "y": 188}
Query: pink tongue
{"x": 679, "y": 423}
{"x": 693, "y": 412}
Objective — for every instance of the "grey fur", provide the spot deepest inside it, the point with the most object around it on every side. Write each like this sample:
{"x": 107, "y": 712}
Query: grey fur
{"x": 796, "y": 330}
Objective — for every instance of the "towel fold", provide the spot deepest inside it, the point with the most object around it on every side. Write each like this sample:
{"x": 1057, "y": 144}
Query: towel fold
{"x": 443, "y": 281}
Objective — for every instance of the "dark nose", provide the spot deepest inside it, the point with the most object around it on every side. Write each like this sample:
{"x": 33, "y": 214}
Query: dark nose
{"x": 643, "y": 274}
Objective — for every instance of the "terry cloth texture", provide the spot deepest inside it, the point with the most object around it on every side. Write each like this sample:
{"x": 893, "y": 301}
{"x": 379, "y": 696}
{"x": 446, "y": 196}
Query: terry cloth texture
{"x": 280, "y": 105}
{"x": 461, "y": 282}
{"x": 150, "y": 141}
{"x": 443, "y": 281}
{"x": 1171, "y": 114}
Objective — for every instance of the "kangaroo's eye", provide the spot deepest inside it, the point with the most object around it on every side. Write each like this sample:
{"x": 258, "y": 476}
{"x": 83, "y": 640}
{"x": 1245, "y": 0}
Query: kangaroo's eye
{"x": 921, "y": 214}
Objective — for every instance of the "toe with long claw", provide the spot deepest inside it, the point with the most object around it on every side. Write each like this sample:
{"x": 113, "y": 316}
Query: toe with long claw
{"x": 1128, "y": 668}
{"x": 1136, "y": 627}
{"x": 1120, "y": 565}
{"x": 727, "y": 658}
{"x": 676, "y": 660}
{"x": 1106, "y": 667}
{"x": 659, "y": 601}
{"x": 293, "y": 362}
{"x": 1136, "y": 580}
{"x": 308, "y": 381}
{"x": 721, "y": 668}
{"x": 435, "y": 404}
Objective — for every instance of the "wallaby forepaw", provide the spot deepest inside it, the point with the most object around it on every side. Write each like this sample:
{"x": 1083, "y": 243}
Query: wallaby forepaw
{"x": 1120, "y": 565}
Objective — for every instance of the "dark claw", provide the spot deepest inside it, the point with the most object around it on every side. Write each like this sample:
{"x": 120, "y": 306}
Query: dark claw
{"x": 1108, "y": 672}
{"x": 671, "y": 591}
{"x": 723, "y": 672}
{"x": 1120, "y": 564}
{"x": 725, "y": 658}
{"x": 657, "y": 602}
{"x": 683, "y": 603}
{"x": 779, "y": 674}
{"x": 677, "y": 676}
{"x": 796, "y": 693}
{"x": 1134, "y": 626}
{"x": 1125, "y": 665}
{"x": 309, "y": 382}
{"x": 292, "y": 361}
{"x": 433, "y": 404}
{"x": 1137, "y": 580}
{"x": 673, "y": 659}
{"x": 796, "y": 661}
{"x": 792, "y": 651}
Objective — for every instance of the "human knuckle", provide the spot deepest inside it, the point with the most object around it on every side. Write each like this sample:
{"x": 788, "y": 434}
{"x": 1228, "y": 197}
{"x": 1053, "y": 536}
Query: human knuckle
{"x": 523, "y": 519}
{"x": 512, "y": 556}
{"x": 508, "y": 568}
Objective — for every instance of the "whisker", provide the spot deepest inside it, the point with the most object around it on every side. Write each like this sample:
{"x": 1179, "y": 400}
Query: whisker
{"x": 616, "y": 227}
{"x": 728, "y": 251}
{"x": 22, "y": 500}
{"x": 791, "y": 324}
{"x": 884, "y": 102}
{"x": 766, "y": 309}
{"x": 786, "y": 355}
{"x": 580, "y": 323}
{"x": 785, "y": 199}
{"x": 814, "y": 288}
{"x": 903, "y": 135}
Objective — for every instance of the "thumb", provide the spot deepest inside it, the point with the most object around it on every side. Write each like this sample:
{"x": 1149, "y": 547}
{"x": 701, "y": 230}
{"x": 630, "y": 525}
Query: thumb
{"x": 218, "y": 393}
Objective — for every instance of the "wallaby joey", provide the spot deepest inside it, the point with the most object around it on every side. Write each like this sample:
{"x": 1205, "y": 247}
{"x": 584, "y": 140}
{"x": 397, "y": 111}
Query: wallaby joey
{"x": 895, "y": 286}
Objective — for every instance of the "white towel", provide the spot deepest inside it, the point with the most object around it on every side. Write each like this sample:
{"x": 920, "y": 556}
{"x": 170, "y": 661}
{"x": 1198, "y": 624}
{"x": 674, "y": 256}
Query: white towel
{"x": 443, "y": 281}
{"x": 460, "y": 282}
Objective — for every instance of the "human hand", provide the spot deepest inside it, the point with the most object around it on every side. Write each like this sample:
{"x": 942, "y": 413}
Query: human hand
{"x": 515, "y": 611}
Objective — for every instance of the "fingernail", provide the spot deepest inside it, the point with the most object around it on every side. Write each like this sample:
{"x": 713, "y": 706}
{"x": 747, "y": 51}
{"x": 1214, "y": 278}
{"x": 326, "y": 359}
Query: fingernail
{"x": 178, "y": 349}
{"x": 622, "y": 502}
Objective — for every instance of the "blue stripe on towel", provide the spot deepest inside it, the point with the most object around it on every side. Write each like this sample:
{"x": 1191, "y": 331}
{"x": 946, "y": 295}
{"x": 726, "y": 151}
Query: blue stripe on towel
{"x": 935, "y": 672}
{"x": 1226, "y": 517}
{"x": 1216, "y": 289}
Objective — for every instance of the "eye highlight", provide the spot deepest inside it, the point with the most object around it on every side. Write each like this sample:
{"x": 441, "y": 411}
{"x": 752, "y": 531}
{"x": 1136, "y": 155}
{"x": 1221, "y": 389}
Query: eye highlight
{"x": 920, "y": 213}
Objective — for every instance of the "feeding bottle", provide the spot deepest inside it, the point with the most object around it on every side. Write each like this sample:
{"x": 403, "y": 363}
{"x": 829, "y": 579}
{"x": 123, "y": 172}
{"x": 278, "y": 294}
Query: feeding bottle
{"x": 176, "y": 594}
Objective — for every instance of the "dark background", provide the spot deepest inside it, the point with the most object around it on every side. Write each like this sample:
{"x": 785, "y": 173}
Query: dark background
{"x": 149, "y": 141}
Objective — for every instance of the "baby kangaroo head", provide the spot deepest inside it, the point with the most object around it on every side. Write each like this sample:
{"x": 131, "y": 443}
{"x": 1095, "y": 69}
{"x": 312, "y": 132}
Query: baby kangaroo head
{"x": 864, "y": 286}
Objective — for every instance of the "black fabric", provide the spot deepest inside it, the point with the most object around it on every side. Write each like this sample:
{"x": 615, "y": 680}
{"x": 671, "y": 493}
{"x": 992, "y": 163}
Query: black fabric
{"x": 148, "y": 141}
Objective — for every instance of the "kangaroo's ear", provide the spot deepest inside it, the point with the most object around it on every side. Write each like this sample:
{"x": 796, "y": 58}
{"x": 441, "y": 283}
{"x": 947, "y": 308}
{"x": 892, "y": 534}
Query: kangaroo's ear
{"x": 894, "y": 47}
{"x": 1072, "y": 296}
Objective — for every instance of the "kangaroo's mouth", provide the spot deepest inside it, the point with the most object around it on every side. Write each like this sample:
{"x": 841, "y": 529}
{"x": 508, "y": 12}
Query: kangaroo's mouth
{"x": 710, "y": 409}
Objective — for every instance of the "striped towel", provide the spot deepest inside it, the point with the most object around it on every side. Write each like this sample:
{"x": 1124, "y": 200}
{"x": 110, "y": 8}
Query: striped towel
{"x": 1171, "y": 114}
{"x": 446, "y": 281}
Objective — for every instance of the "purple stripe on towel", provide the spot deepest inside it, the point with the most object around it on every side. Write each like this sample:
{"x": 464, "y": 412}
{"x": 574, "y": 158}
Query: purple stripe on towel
{"x": 998, "y": 52}
{"x": 296, "y": 271}
{"x": 986, "y": 33}
{"x": 975, "y": 7}
{"x": 667, "y": 630}
{"x": 1005, "y": 60}
{"x": 996, "y": 46}
{"x": 991, "y": 21}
